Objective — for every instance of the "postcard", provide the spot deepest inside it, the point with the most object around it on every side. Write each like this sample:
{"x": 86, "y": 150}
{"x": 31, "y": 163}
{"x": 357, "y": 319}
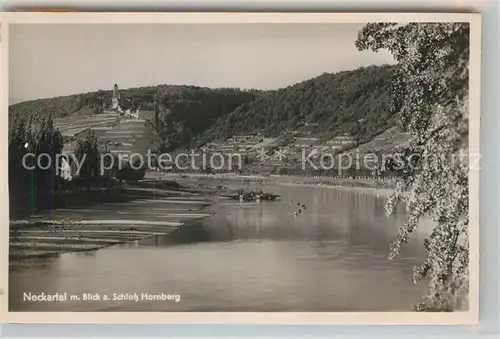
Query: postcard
{"x": 240, "y": 168}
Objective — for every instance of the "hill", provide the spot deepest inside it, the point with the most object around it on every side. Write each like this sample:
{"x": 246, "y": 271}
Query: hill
{"x": 354, "y": 102}
{"x": 189, "y": 109}
{"x": 59, "y": 107}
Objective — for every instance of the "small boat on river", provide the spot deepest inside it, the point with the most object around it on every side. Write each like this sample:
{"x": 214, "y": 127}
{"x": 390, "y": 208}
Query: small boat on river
{"x": 252, "y": 196}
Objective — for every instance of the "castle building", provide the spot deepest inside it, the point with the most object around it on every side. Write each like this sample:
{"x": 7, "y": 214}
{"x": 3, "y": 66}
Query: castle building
{"x": 146, "y": 112}
{"x": 115, "y": 101}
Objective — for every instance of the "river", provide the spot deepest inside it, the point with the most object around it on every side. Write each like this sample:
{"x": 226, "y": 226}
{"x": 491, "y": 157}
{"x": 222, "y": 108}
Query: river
{"x": 247, "y": 257}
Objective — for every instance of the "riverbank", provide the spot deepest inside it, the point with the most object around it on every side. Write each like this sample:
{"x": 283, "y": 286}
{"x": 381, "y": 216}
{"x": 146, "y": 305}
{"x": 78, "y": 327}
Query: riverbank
{"x": 375, "y": 190}
{"x": 234, "y": 181}
{"x": 139, "y": 211}
{"x": 385, "y": 187}
{"x": 159, "y": 205}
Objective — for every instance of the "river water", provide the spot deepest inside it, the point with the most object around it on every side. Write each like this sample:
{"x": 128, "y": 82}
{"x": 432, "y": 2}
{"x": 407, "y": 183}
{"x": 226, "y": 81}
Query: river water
{"x": 248, "y": 257}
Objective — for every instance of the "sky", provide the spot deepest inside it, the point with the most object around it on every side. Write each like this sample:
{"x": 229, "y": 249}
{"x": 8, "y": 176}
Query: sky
{"x": 48, "y": 60}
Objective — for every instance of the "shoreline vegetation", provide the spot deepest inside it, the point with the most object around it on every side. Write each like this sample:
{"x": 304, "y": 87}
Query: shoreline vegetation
{"x": 107, "y": 217}
{"x": 89, "y": 220}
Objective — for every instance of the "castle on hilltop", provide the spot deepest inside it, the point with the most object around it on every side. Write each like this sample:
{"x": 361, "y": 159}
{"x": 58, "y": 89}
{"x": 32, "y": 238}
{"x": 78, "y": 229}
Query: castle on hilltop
{"x": 116, "y": 108}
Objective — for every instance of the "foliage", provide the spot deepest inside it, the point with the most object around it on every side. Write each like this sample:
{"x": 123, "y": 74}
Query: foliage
{"x": 349, "y": 101}
{"x": 34, "y": 184}
{"x": 286, "y": 139}
{"x": 430, "y": 95}
{"x": 99, "y": 103}
{"x": 184, "y": 111}
{"x": 188, "y": 111}
{"x": 333, "y": 103}
{"x": 87, "y": 153}
{"x": 29, "y": 182}
{"x": 132, "y": 170}
{"x": 54, "y": 107}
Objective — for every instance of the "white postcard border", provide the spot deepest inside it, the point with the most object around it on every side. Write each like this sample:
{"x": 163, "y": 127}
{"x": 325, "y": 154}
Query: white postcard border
{"x": 311, "y": 318}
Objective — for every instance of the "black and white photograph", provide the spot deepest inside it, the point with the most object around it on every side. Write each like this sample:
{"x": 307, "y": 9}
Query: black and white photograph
{"x": 300, "y": 166}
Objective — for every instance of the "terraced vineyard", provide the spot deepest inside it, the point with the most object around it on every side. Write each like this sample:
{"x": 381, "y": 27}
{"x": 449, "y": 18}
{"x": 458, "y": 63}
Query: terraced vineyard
{"x": 386, "y": 142}
{"x": 132, "y": 136}
{"x": 74, "y": 122}
{"x": 116, "y": 134}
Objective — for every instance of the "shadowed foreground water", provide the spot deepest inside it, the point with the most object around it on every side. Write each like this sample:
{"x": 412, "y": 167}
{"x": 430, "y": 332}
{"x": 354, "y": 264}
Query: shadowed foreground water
{"x": 249, "y": 257}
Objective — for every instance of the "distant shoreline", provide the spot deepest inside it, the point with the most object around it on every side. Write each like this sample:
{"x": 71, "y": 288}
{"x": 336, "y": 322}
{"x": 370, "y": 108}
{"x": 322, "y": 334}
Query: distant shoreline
{"x": 309, "y": 181}
{"x": 386, "y": 191}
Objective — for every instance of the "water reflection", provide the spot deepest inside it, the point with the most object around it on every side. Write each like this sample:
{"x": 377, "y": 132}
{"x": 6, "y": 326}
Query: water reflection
{"x": 249, "y": 257}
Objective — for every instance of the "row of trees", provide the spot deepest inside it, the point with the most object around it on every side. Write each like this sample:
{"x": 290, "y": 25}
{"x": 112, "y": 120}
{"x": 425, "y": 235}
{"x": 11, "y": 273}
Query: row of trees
{"x": 36, "y": 136}
{"x": 34, "y": 163}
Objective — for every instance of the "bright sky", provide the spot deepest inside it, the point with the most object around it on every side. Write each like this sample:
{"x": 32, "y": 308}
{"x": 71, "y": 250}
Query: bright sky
{"x": 63, "y": 59}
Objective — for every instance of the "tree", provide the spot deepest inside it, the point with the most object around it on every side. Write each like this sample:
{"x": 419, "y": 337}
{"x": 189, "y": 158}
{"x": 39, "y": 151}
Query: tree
{"x": 33, "y": 183}
{"x": 99, "y": 101}
{"x": 132, "y": 170}
{"x": 87, "y": 153}
{"x": 430, "y": 97}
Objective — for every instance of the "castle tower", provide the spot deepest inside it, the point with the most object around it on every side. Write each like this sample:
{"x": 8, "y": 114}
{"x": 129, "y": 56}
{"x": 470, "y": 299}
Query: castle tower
{"x": 116, "y": 97}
